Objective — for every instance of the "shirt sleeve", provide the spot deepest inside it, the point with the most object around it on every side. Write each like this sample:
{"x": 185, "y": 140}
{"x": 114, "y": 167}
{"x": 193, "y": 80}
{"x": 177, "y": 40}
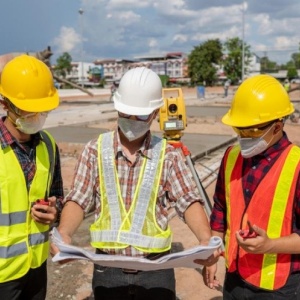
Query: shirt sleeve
{"x": 85, "y": 187}
{"x": 296, "y": 217}
{"x": 218, "y": 215}
{"x": 57, "y": 182}
{"x": 178, "y": 182}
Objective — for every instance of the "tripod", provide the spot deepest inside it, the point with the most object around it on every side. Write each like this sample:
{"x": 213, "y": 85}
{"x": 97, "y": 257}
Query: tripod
{"x": 186, "y": 153}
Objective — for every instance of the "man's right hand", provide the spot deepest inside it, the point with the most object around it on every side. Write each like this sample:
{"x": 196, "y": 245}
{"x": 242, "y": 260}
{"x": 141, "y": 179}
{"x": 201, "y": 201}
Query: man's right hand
{"x": 54, "y": 249}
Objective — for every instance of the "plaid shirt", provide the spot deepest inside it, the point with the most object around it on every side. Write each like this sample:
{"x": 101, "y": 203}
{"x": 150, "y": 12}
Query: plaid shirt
{"x": 26, "y": 155}
{"x": 254, "y": 169}
{"x": 177, "y": 187}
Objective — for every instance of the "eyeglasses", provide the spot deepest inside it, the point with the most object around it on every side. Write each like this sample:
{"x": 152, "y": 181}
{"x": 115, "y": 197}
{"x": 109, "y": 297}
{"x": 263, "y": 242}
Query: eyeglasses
{"x": 252, "y": 131}
{"x": 31, "y": 115}
{"x": 138, "y": 117}
{"x": 18, "y": 112}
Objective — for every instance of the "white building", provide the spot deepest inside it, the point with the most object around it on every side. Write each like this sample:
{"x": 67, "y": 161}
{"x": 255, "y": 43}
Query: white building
{"x": 113, "y": 69}
{"x": 80, "y": 72}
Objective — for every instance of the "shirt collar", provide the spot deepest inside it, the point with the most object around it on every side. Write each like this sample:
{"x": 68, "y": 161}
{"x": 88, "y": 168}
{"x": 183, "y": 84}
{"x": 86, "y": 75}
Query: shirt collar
{"x": 278, "y": 146}
{"x": 275, "y": 149}
{"x": 7, "y": 139}
{"x": 145, "y": 150}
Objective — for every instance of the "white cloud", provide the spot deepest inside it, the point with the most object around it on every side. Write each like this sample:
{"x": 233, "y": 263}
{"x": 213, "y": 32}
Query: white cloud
{"x": 120, "y": 4}
{"x": 153, "y": 43}
{"x": 180, "y": 38}
{"x": 283, "y": 42}
{"x": 264, "y": 23}
{"x": 67, "y": 39}
{"x": 127, "y": 17}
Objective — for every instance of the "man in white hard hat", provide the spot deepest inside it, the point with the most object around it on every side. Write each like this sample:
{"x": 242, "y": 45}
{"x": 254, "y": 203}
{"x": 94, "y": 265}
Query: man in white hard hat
{"x": 128, "y": 176}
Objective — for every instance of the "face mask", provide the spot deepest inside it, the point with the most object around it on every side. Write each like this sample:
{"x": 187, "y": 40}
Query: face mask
{"x": 133, "y": 129}
{"x": 31, "y": 124}
{"x": 253, "y": 146}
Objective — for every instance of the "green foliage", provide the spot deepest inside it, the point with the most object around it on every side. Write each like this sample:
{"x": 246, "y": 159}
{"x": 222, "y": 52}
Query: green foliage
{"x": 292, "y": 73}
{"x": 234, "y": 58}
{"x": 296, "y": 59}
{"x": 63, "y": 64}
{"x": 268, "y": 65}
{"x": 164, "y": 80}
{"x": 202, "y": 62}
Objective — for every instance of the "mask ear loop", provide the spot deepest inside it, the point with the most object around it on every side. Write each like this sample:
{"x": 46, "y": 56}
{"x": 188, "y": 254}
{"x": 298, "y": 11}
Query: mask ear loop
{"x": 279, "y": 127}
{"x": 10, "y": 108}
{"x": 153, "y": 116}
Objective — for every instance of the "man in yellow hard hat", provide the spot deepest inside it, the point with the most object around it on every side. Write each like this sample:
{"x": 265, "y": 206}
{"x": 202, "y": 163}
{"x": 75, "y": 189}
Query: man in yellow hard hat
{"x": 30, "y": 177}
{"x": 257, "y": 197}
{"x": 130, "y": 177}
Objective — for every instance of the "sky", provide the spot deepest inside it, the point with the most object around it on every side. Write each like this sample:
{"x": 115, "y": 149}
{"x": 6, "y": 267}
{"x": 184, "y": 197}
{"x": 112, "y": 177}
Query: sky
{"x": 129, "y": 29}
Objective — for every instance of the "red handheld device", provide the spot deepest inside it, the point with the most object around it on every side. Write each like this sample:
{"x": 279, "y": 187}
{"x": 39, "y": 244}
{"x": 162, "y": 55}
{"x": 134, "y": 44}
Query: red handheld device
{"x": 248, "y": 233}
{"x": 42, "y": 202}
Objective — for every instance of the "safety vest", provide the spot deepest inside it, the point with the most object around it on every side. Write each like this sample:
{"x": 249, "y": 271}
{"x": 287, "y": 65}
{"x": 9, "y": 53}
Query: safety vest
{"x": 270, "y": 208}
{"x": 23, "y": 242}
{"x": 137, "y": 227}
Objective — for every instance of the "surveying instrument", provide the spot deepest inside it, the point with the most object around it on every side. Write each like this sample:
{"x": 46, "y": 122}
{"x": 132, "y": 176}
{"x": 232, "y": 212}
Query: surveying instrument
{"x": 172, "y": 121}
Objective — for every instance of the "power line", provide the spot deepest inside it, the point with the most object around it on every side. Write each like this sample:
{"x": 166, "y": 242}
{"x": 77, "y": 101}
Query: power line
{"x": 278, "y": 50}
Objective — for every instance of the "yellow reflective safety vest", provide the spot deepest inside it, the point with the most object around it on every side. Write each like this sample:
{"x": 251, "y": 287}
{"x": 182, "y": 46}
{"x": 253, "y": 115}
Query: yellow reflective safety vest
{"x": 271, "y": 208}
{"x": 24, "y": 243}
{"x": 118, "y": 228}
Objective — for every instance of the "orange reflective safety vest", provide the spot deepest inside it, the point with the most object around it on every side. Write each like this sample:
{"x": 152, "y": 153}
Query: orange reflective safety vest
{"x": 270, "y": 208}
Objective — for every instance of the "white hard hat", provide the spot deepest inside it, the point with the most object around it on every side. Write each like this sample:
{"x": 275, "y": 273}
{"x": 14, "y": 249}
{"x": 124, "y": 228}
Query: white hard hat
{"x": 139, "y": 92}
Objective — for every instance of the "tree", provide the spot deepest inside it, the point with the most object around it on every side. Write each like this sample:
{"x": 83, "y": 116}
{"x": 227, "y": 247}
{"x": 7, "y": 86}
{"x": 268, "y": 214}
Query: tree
{"x": 202, "y": 62}
{"x": 164, "y": 80}
{"x": 292, "y": 73}
{"x": 268, "y": 65}
{"x": 296, "y": 59}
{"x": 63, "y": 64}
{"x": 234, "y": 58}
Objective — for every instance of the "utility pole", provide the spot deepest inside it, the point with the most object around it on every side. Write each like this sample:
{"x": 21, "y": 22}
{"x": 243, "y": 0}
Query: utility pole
{"x": 298, "y": 60}
{"x": 266, "y": 61}
{"x": 81, "y": 50}
{"x": 243, "y": 42}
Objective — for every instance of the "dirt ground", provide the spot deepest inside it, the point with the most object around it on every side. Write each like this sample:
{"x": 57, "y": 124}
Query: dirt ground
{"x": 73, "y": 280}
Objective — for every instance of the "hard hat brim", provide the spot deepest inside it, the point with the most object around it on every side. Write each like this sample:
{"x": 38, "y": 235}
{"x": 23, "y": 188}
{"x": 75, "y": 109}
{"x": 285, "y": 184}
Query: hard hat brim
{"x": 35, "y": 105}
{"x": 135, "y": 111}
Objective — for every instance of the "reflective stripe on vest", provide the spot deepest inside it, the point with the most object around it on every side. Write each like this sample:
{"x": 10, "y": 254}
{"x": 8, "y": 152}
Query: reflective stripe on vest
{"x": 276, "y": 194}
{"x": 12, "y": 218}
{"x": 117, "y": 228}
{"x": 24, "y": 243}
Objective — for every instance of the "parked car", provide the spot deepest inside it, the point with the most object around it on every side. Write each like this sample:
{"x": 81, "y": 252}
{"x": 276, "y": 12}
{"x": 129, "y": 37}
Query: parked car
{"x": 295, "y": 80}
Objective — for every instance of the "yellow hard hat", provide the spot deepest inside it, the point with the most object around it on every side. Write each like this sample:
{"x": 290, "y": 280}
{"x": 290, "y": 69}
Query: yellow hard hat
{"x": 28, "y": 83}
{"x": 259, "y": 99}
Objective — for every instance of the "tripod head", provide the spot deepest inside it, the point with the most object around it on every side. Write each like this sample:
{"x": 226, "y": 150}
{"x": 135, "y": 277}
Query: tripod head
{"x": 172, "y": 115}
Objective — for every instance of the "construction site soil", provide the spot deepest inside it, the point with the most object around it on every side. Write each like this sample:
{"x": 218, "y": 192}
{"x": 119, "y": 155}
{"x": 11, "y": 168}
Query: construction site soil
{"x": 73, "y": 280}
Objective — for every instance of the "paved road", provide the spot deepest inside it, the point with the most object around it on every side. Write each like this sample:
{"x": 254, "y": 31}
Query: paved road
{"x": 69, "y": 123}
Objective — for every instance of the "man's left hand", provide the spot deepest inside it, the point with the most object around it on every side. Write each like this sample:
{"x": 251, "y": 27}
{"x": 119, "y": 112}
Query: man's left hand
{"x": 45, "y": 213}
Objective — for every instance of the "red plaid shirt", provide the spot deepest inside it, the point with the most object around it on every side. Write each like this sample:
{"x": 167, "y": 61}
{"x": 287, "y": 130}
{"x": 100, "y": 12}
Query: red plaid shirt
{"x": 25, "y": 154}
{"x": 254, "y": 169}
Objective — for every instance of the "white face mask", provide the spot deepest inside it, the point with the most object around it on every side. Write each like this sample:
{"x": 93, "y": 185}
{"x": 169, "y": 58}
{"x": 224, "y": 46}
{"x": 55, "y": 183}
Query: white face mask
{"x": 31, "y": 124}
{"x": 133, "y": 129}
{"x": 253, "y": 146}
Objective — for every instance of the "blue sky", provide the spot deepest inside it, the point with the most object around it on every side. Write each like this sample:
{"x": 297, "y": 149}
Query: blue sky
{"x": 135, "y": 28}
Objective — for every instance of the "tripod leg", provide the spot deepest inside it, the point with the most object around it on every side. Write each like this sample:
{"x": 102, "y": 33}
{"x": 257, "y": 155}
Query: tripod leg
{"x": 203, "y": 194}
